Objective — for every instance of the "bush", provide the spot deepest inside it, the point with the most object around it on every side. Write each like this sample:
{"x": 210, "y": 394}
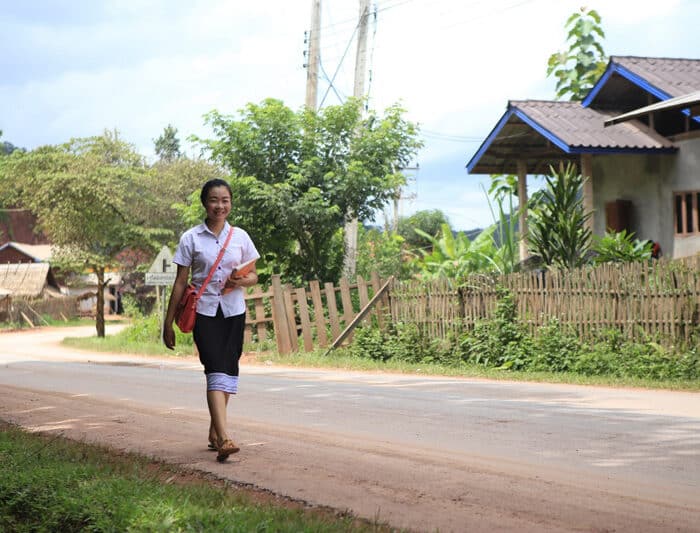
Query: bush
{"x": 400, "y": 342}
{"x": 501, "y": 341}
{"x": 147, "y": 329}
{"x": 556, "y": 348}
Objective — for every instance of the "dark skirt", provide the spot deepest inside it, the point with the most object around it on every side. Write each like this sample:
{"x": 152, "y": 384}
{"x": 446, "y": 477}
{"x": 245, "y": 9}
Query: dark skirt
{"x": 219, "y": 341}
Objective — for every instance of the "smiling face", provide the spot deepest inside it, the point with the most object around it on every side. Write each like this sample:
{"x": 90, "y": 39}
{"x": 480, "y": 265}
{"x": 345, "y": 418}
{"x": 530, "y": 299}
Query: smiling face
{"x": 218, "y": 204}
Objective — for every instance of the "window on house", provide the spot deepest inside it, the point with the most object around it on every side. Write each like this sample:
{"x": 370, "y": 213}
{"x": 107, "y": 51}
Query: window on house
{"x": 687, "y": 212}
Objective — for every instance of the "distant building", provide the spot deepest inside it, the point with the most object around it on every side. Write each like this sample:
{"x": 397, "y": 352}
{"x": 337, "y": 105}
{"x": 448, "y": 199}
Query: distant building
{"x": 643, "y": 173}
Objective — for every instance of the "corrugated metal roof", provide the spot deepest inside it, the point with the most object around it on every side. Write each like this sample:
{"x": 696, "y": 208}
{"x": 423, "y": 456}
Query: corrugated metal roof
{"x": 675, "y": 77}
{"x": 543, "y": 132}
{"x": 688, "y": 101}
{"x": 582, "y": 128}
{"x": 658, "y": 77}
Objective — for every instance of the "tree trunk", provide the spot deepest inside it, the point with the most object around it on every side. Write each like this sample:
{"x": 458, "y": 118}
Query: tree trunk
{"x": 100, "y": 311}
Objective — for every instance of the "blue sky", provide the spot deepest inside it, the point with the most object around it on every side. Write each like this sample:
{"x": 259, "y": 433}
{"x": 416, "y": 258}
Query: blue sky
{"x": 73, "y": 68}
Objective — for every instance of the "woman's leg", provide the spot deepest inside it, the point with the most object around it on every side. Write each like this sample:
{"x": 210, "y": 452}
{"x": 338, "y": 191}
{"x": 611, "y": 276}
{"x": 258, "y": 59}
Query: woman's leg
{"x": 213, "y": 436}
{"x": 217, "y": 402}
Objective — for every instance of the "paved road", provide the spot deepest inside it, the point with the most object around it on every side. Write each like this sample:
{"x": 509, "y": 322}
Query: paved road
{"x": 420, "y": 452}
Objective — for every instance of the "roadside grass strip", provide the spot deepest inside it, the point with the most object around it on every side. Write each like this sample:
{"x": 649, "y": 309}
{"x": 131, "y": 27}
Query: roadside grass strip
{"x": 49, "y": 483}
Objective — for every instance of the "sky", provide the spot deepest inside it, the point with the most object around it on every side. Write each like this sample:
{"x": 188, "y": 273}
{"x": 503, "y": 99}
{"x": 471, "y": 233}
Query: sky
{"x": 73, "y": 68}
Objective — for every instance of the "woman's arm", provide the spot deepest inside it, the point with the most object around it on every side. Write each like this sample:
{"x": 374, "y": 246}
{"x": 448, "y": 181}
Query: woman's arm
{"x": 250, "y": 279}
{"x": 181, "y": 279}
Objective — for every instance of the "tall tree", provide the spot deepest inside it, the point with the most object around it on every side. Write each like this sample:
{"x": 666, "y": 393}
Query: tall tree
{"x": 171, "y": 183}
{"x": 167, "y": 146}
{"x": 579, "y": 67}
{"x": 429, "y": 221}
{"x": 85, "y": 194}
{"x": 298, "y": 175}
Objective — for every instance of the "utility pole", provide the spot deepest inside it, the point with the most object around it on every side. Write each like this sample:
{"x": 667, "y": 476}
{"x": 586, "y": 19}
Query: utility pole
{"x": 314, "y": 57}
{"x": 350, "y": 262}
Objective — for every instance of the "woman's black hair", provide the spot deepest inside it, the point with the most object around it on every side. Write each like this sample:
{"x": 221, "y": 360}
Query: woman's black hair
{"x": 216, "y": 182}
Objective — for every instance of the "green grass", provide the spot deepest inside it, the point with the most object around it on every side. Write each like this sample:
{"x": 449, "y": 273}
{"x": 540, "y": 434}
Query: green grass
{"x": 341, "y": 359}
{"x": 118, "y": 344}
{"x": 48, "y": 483}
{"x": 142, "y": 338}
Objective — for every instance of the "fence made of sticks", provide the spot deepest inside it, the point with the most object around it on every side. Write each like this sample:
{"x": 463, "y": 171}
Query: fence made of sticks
{"x": 33, "y": 312}
{"x": 313, "y": 316}
{"x": 660, "y": 299}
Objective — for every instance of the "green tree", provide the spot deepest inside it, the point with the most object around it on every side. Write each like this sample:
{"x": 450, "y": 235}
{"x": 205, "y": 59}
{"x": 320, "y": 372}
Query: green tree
{"x": 167, "y": 146}
{"x": 429, "y": 221}
{"x": 579, "y": 67}
{"x": 171, "y": 183}
{"x": 557, "y": 226}
{"x": 381, "y": 252}
{"x": 85, "y": 194}
{"x": 298, "y": 175}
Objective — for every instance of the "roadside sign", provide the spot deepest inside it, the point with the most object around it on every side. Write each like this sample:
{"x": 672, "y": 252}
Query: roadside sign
{"x": 160, "y": 278}
{"x": 163, "y": 262}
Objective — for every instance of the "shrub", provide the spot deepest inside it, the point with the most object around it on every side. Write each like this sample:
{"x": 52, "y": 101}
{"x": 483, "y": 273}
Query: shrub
{"x": 502, "y": 341}
{"x": 556, "y": 348}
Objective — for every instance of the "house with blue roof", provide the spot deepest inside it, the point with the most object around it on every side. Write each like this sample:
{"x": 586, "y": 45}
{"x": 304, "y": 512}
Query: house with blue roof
{"x": 636, "y": 140}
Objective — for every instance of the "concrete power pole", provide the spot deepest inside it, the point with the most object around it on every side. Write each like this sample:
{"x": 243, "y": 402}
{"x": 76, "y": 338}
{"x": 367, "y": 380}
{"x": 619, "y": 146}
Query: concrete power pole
{"x": 350, "y": 262}
{"x": 314, "y": 57}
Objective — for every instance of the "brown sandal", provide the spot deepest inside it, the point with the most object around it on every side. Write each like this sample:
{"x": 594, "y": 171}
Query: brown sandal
{"x": 225, "y": 449}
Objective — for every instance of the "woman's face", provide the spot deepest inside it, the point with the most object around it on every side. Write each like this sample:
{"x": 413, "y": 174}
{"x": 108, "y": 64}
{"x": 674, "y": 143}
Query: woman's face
{"x": 218, "y": 204}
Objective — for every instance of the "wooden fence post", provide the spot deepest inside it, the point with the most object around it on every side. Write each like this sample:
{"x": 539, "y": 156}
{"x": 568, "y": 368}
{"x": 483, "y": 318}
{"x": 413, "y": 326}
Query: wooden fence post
{"x": 321, "y": 336}
{"x": 279, "y": 316}
{"x": 304, "y": 319}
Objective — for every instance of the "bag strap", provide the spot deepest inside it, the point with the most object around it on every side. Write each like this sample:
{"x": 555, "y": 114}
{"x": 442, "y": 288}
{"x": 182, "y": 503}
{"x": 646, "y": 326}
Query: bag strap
{"x": 216, "y": 264}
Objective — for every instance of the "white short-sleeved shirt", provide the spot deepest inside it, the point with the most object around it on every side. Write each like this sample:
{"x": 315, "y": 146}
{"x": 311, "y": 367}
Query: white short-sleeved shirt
{"x": 198, "y": 249}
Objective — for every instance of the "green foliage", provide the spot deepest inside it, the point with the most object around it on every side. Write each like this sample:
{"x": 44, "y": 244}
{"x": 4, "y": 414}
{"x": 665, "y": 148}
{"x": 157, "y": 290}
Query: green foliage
{"x": 578, "y": 68}
{"x": 455, "y": 256}
{"x": 298, "y": 176}
{"x": 167, "y": 145}
{"x": 428, "y": 221}
{"x": 620, "y": 247}
{"x": 557, "y": 225}
{"x": 500, "y": 342}
{"x": 381, "y": 252}
{"x": 506, "y": 255}
{"x": 399, "y": 342}
{"x": 556, "y": 348}
{"x": 176, "y": 185}
{"x": 91, "y": 198}
{"x": 58, "y": 485}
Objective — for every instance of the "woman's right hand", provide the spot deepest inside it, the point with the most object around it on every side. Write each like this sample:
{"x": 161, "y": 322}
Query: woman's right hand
{"x": 169, "y": 336}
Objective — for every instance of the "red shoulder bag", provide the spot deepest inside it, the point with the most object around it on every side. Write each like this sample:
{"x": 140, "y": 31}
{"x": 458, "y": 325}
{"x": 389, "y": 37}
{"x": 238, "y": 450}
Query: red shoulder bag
{"x": 186, "y": 311}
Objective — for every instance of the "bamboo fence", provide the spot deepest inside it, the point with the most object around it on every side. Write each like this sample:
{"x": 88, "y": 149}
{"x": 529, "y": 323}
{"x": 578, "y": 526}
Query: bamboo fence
{"x": 659, "y": 299}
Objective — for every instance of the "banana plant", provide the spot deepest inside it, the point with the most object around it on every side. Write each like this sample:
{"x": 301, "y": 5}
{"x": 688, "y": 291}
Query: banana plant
{"x": 455, "y": 256}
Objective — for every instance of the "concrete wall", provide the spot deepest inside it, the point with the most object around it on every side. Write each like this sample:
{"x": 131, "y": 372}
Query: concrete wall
{"x": 649, "y": 181}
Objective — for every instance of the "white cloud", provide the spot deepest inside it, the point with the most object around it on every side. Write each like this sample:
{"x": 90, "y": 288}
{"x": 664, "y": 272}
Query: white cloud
{"x": 452, "y": 63}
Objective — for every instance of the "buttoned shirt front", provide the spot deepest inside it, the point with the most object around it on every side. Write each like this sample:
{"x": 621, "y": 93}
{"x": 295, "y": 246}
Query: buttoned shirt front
{"x": 198, "y": 249}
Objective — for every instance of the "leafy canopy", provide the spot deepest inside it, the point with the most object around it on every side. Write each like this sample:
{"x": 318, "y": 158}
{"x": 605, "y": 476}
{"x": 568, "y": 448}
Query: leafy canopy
{"x": 89, "y": 196}
{"x": 296, "y": 176}
{"x": 167, "y": 145}
{"x": 429, "y": 221}
{"x": 579, "y": 67}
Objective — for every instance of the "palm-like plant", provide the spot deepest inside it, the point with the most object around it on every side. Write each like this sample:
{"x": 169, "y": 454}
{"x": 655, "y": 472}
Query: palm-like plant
{"x": 557, "y": 229}
{"x": 456, "y": 256}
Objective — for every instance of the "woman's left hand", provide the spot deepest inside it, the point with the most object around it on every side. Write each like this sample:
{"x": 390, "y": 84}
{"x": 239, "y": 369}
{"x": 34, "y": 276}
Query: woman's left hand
{"x": 251, "y": 278}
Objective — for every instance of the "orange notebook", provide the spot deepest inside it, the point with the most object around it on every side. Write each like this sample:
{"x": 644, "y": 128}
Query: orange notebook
{"x": 243, "y": 269}
{"x": 240, "y": 271}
